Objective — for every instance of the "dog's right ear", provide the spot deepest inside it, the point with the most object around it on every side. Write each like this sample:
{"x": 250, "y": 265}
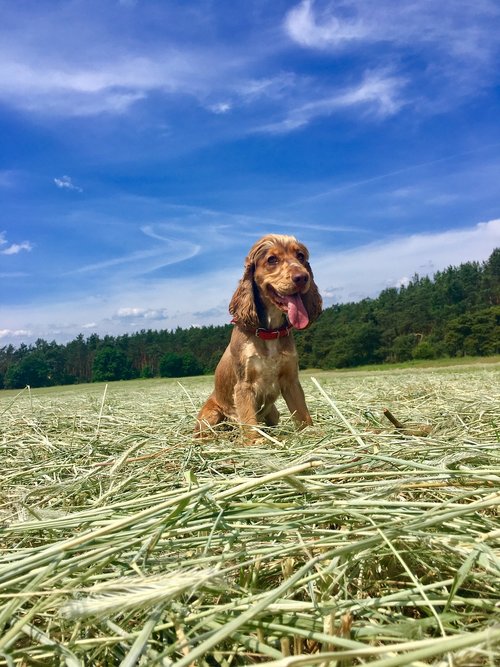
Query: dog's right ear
{"x": 312, "y": 299}
{"x": 242, "y": 306}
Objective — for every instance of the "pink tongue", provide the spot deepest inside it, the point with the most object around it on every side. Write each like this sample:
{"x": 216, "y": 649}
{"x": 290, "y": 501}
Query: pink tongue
{"x": 297, "y": 314}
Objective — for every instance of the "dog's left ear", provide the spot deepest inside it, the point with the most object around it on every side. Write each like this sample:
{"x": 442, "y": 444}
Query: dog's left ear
{"x": 312, "y": 299}
{"x": 242, "y": 306}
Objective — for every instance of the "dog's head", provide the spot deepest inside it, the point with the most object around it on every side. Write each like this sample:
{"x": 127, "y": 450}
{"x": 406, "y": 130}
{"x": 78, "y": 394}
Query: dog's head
{"x": 278, "y": 276}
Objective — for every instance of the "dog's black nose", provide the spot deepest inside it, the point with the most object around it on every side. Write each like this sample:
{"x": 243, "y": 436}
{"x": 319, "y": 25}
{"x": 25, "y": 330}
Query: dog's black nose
{"x": 300, "y": 279}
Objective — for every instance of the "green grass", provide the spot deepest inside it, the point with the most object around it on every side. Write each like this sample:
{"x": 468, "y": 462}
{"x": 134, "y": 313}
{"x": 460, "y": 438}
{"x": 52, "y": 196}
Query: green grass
{"x": 124, "y": 541}
{"x": 442, "y": 362}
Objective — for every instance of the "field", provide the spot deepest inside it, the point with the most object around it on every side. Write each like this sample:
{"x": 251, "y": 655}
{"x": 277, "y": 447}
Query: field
{"x": 123, "y": 541}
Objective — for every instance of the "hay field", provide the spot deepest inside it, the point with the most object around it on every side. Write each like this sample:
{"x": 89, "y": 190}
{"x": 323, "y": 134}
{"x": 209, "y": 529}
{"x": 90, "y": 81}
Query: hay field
{"x": 124, "y": 542}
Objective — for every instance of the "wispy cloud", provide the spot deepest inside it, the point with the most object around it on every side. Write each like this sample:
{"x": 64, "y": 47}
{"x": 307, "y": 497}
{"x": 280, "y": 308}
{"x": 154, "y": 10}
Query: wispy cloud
{"x": 407, "y": 169}
{"x": 449, "y": 27}
{"x": 449, "y": 43}
{"x": 88, "y": 81}
{"x": 454, "y": 46}
{"x": 170, "y": 251}
{"x": 84, "y": 85}
{"x": 379, "y": 94}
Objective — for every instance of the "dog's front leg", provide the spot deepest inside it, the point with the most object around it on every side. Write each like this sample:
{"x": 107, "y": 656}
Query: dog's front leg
{"x": 246, "y": 409}
{"x": 294, "y": 398}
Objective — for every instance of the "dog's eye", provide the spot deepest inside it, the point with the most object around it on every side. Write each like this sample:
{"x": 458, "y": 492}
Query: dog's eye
{"x": 301, "y": 257}
{"x": 272, "y": 259}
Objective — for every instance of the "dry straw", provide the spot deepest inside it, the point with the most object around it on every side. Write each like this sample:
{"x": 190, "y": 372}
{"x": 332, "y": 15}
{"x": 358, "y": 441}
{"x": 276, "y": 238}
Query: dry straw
{"x": 357, "y": 541}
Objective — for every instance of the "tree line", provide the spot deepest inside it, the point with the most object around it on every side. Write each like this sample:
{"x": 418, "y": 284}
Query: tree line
{"x": 455, "y": 313}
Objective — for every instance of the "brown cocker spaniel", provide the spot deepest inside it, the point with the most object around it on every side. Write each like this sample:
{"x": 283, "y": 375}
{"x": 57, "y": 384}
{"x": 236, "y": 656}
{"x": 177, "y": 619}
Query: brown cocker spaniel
{"x": 276, "y": 294}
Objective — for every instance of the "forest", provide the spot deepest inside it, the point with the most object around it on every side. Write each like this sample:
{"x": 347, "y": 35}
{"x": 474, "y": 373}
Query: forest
{"x": 453, "y": 314}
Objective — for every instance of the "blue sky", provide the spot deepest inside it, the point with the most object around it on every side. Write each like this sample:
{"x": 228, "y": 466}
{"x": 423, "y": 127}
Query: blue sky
{"x": 145, "y": 145}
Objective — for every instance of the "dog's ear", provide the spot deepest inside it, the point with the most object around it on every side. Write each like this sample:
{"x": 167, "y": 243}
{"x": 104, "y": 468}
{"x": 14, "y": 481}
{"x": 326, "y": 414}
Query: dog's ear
{"x": 242, "y": 306}
{"x": 312, "y": 299}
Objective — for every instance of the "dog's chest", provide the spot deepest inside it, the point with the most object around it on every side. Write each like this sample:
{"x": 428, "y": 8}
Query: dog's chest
{"x": 265, "y": 364}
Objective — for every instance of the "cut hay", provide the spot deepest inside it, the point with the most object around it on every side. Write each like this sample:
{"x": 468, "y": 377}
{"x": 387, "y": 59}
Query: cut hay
{"x": 123, "y": 541}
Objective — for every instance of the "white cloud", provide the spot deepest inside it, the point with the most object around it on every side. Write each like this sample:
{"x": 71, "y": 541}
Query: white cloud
{"x": 366, "y": 270}
{"x": 15, "y": 333}
{"x": 16, "y": 248}
{"x": 220, "y": 107}
{"x": 13, "y": 248}
{"x": 66, "y": 183}
{"x": 326, "y": 31}
{"x": 141, "y": 313}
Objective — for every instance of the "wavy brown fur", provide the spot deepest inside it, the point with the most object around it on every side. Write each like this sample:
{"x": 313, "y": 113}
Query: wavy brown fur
{"x": 253, "y": 372}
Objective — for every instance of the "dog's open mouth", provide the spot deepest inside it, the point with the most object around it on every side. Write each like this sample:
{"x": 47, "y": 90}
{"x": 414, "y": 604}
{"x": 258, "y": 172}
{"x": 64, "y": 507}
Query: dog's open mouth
{"x": 292, "y": 305}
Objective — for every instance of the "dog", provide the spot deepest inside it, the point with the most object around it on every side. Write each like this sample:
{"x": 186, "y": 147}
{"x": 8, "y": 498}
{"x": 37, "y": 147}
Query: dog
{"x": 276, "y": 294}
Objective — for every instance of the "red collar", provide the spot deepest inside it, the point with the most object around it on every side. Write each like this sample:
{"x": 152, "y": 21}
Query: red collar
{"x": 269, "y": 334}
